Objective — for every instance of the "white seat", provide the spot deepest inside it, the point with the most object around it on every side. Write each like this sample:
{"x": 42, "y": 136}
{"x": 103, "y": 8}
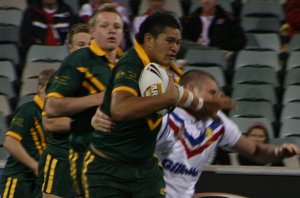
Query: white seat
{"x": 257, "y": 58}
{"x": 7, "y": 69}
{"x": 33, "y": 69}
{"x": 46, "y": 53}
{"x": 29, "y": 87}
{"x": 5, "y": 105}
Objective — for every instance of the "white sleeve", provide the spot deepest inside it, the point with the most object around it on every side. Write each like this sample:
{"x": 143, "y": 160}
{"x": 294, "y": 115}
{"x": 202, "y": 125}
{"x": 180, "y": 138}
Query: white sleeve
{"x": 232, "y": 132}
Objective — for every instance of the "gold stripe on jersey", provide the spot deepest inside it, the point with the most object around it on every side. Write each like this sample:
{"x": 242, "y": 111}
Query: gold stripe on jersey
{"x": 73, "y": 157}
{"x": 89, "y": 157}
{"x": 90, "y": 88}
{"x": 54, "y": 94}
{"x": 13, "y": 188}
{"x": 14, "y": 135}
{"x": 89, "y": 76}
{"x": 46, "y": 168}
{"x": 51, "y": 175}
{"x": 10, "y": 187}
{"x": 49, "y": 171}
{"x": 153, "y": 125}
{"x": 7, "y": 187}
{"x": 124, "y": 88}
{"x": 41, "y": 133}
{"x": 36, "y": 141}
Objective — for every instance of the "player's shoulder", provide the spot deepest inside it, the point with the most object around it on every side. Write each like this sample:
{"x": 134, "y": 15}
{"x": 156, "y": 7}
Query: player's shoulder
{"x": 130, "y": 60}
{"x": 78, "y": 57}
{"x": 27, "y": 108}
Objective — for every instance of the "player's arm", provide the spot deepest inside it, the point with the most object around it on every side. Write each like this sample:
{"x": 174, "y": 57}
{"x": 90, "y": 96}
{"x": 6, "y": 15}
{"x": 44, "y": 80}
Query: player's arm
{"x": 68, "y": 106}
{"x": 126, "y": 106}
{"x": 56, "y": 125}
{"x": 265, "y": 152}
{"x": 16, "y": 149}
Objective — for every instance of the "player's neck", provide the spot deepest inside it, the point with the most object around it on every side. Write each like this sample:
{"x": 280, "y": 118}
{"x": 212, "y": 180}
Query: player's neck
{"x": 111, "y": 56}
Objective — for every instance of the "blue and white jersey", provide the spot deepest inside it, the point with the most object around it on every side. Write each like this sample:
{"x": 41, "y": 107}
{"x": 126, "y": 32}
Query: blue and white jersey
{"x": 184, "y": 146}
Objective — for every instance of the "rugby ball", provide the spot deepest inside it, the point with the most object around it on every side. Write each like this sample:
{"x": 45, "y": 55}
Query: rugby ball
{"x": 154, "y": 80}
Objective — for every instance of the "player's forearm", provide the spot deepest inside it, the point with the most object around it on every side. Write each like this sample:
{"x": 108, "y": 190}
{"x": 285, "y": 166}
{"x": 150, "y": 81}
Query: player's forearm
{"x": 66, "y": 107}
{"x": 125, "y": 108}
{"x": 265, "y": 153}
{"x": 56, "y": 125}
{"x": 15, "y": 148}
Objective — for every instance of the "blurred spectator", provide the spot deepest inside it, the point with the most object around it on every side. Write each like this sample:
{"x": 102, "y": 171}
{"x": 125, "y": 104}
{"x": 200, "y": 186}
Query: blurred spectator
{"x": 258, "y": 134}
{"x": 236, "y": 7}
{"x": 186, "y": 5}
{"x": 87, "y": 10}
{"x": 153, "y": 7}
{"x": 293, "y": 17}
{"x": 210, "y": 25}
{"x": 46, "y": 22}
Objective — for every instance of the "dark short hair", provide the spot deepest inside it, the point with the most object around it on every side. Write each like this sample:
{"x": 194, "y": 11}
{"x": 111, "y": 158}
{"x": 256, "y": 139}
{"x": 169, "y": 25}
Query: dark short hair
{"x": 155, "y": 24}
{"x": 75, "y": 29}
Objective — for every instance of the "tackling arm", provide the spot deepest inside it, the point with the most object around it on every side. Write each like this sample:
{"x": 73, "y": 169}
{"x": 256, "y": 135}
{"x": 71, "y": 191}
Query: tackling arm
{"x": 265, "y": 152}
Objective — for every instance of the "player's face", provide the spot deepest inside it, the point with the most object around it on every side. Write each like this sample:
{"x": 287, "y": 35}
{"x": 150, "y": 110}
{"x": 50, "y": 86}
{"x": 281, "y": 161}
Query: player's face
{"x": 209, "y": 89}
{"x": 108, "y": 31}
{"x": 165, "y": 47}
{"x": 80, "y": 40}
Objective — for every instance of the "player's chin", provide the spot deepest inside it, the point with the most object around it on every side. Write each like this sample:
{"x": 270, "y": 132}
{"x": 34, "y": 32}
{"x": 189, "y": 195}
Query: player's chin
{"x": 167, "y": 61}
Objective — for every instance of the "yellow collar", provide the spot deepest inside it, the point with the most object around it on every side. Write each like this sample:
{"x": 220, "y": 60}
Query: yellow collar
{"x": 141, "y": 53}
{"x": 97, "y": 49}
{"x": 145, "y": 59}
{"x": 38, "y": 100}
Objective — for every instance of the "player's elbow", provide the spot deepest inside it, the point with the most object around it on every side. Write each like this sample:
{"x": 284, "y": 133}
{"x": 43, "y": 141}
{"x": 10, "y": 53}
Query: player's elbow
{"x": 8, "y": 142}
{"x": 51, "y": 107}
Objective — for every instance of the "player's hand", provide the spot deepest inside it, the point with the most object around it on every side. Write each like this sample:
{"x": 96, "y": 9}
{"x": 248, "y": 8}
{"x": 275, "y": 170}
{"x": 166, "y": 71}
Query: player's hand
{"x": 172, "y": 90}
{"x": 102, "y": 122}
{"x": 34, "y": 168}
{"x": 217, "y": 102}
{"x": 287, "y": 150}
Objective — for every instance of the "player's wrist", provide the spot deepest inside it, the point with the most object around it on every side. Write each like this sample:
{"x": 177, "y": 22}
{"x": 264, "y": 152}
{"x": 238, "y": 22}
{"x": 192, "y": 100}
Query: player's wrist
{"x": 188, "y": 100}
{"x": 278, "y": 153}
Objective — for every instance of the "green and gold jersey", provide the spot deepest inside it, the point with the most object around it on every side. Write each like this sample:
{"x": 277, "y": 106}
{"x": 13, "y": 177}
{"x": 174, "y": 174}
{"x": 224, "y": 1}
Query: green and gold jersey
{"x": 131, "y": 141}
{"x": 84, "y": 72}
{"x": 26, "y": 127}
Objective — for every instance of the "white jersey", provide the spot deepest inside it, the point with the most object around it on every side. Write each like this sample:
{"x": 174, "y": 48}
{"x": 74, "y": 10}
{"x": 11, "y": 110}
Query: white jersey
{"x": 184, "y": 146}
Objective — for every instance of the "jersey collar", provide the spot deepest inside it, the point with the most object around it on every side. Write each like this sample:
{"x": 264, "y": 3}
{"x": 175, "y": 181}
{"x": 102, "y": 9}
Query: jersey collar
{"x": 38, "y": 100}
{"x": 145, "y": 59}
